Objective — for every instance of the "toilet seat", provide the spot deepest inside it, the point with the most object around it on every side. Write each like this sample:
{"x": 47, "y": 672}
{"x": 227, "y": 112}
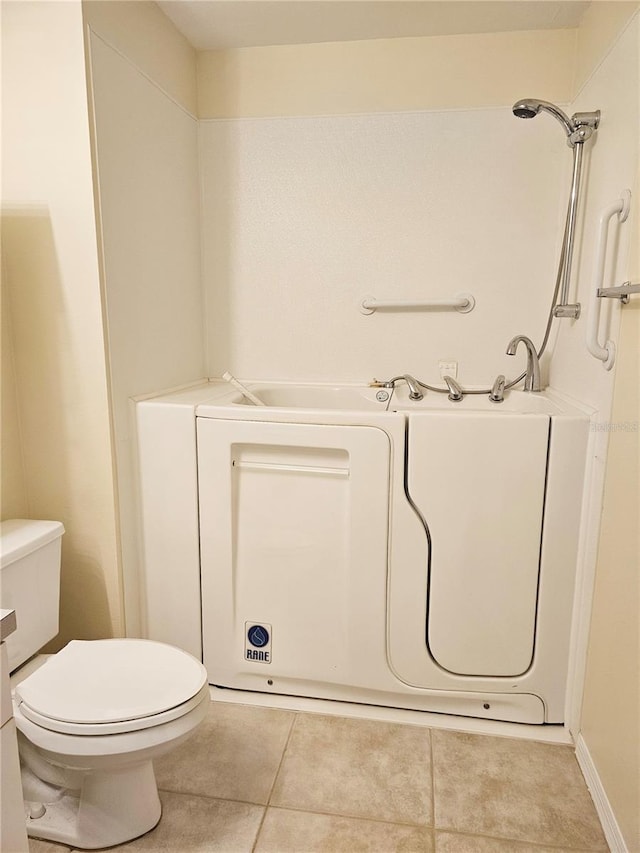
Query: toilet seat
{"x": 101, "y": 687}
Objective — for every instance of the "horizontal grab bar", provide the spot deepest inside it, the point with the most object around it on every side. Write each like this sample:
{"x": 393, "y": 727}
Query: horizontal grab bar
{"x": 461, "y": 302}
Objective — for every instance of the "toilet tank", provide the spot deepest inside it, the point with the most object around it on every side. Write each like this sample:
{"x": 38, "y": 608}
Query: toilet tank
{"x": 30, "y": 583}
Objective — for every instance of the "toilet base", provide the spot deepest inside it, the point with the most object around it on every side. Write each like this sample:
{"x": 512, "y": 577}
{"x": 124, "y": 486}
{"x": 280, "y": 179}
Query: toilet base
{"x": 110, "y": 808}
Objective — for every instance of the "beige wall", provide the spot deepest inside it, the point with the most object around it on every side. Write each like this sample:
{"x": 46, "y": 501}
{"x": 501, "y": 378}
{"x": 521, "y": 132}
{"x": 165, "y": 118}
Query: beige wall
{"x": 601, "y": 25}
{"x": 611, "y": 704}
{"x": 60, "y": 423}
{"x": 439, "y": 72}
{"x": 144, "y": 34}
{"x": 611, "y": 709}
{"x": 13, "y": 481}
{"x": 610, "y": 720}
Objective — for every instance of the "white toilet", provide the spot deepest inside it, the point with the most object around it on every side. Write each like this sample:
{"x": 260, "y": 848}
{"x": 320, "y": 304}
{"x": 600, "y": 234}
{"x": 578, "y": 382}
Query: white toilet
{"x": 92, "y": 718}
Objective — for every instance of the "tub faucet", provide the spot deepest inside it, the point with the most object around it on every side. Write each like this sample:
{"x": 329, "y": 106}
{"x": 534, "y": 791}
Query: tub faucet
{"x": 455, "y": 391}
{"x": 414, "y": 386}
{"x": 532, "y": 376}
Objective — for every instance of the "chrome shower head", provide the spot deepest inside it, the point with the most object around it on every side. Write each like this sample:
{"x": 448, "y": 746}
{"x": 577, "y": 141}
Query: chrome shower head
{"x": 530, "y": 107}
{"x": 526, "y": 109}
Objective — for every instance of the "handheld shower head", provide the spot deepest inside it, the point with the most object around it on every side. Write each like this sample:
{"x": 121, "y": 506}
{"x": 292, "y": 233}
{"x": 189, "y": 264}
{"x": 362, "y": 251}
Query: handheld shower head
{"x": 530, "y": 107}
{"x": 526, "y": 109}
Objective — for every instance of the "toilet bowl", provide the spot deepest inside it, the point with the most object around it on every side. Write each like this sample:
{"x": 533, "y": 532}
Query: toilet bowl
{"x": 92, "y": 718}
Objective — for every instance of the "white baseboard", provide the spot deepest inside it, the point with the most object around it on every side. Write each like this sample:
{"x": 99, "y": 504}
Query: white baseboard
{"x": 608, "y": 820}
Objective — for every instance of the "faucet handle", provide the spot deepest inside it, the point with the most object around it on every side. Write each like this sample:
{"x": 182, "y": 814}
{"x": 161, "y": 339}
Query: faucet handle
{"x": 455, "y": 391}
{"x": 496, "y": 394}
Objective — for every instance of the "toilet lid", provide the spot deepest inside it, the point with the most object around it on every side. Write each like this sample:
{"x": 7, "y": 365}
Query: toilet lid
{"x": 111, "y": 681}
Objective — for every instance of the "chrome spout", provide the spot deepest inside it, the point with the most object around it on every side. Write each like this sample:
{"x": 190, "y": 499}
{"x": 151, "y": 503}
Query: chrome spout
{"x": 455, "y": 391}
{"x": 532, "y": 376}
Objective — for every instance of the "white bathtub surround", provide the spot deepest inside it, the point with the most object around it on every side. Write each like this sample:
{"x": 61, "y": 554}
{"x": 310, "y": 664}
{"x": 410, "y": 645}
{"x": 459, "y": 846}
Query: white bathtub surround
{"x": 146, "y": 155}
{"x": 303, "y": 217}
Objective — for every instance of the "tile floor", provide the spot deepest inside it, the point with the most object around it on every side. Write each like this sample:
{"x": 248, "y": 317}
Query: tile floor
{"x": 272, "y": 781}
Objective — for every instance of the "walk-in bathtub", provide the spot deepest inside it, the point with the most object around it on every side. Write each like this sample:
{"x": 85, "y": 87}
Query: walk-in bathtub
{"x": 349, "y": 544}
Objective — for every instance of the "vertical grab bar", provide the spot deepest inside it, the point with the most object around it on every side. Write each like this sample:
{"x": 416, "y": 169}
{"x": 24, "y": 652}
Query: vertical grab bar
{"x": 606, "y": 353}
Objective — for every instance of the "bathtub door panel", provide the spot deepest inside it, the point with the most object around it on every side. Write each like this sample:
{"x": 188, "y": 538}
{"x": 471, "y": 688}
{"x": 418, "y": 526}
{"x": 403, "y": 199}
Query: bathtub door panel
{"x": 294, "y": 522}
{"x": 479, "y": 483}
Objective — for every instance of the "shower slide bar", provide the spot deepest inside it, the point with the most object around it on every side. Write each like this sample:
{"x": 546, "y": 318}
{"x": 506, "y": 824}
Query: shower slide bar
{"x": 461, "y": 302}
{"x": 607, "y": 353}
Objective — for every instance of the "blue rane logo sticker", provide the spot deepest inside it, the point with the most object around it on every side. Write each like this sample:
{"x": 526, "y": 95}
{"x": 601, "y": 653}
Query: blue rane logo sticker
{"x": 258, "y": 636}
{"x": 257, "y": 642}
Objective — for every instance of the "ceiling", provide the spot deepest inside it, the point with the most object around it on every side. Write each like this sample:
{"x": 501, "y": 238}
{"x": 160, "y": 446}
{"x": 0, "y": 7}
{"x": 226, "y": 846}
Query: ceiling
{"x": 223, "y": 24}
